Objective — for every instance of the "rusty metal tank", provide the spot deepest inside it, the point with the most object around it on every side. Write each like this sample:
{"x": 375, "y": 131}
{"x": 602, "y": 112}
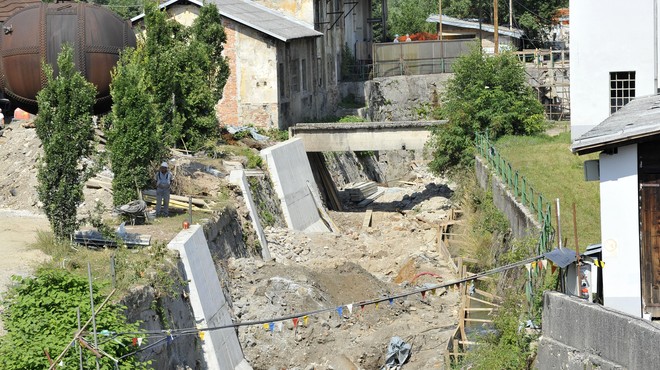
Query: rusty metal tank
{"x": 38, "y": 32}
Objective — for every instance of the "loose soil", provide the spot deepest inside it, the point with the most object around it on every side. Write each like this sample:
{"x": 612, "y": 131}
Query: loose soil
{"x": 327, "y": 270}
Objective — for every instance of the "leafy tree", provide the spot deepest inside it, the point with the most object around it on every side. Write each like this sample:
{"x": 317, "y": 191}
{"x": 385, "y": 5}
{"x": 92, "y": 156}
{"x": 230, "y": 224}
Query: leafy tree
{"x": 186, "y": 73}
{"x": 487, "y": 94}
{"x": 133, "y": 139}
{"x": 164, "y": 94}
{"x": 409, "y": 16}
{"x": 40, "y": 314}
{"x": 64, "y": 125}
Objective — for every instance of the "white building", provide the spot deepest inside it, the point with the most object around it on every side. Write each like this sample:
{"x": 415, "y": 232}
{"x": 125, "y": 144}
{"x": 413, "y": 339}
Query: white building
{"x": 614, "y": 49}
{"x": 629, "y": 175}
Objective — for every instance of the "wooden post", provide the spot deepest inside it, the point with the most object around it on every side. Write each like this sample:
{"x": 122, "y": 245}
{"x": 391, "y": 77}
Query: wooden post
{"x": 440, "y": 20}
{"x": 91, "y": 302}
{"x": 496, "y": 35}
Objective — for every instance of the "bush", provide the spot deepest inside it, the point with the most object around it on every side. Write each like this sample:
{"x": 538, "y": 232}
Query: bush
{"x": 487, "y": 94}
{"x": 41, "y": 315}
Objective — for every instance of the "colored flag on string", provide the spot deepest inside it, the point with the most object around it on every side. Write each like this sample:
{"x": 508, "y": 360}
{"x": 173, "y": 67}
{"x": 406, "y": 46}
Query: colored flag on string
{"x": 350, "y": 307}
{"x": 305, "y": 319}
{"x": 139, "y": 342}
{"x": 271, "y": 326}
{"x": 201, "y": 335}
{"x": 391, "y": 300}
{"x": 528, "y": 267}
{"x": 423, "y": 294}
{"x": 544, "y": 263}
{"x": 295, "y": 322}
{"x": 340, "y": 311}
{"x": 279, "y": 326}
{"x": 135, "y": 342}
{"x": 265, "y": 326}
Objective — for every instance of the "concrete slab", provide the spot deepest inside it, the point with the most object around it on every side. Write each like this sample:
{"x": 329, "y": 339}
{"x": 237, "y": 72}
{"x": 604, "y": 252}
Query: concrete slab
{"x": 292, "y": 178}
{"x": 239, "y": 178}
{"x": 221, "y": 347}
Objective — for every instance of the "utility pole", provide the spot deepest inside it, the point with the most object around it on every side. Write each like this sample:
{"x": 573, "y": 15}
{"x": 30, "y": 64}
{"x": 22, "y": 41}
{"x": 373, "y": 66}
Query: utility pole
{"x": 510, "y": 14}
{"x": 440, "y": 20}
{"x": 497, "y": 35}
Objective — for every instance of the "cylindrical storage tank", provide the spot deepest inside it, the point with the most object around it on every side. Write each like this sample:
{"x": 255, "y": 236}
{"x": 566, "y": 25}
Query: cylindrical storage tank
{"x": 37, "y": 33}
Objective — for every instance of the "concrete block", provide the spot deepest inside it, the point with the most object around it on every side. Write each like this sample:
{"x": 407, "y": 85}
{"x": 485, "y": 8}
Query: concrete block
{"x": 291, "y": 173}
{"x": 616, "y": 337}
{"x": 238, "y": 177}
{"x": 221, "y": 347}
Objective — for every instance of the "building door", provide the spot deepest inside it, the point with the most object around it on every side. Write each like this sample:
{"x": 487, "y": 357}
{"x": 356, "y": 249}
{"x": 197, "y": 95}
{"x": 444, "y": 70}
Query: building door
{"x": 649, "y": 191}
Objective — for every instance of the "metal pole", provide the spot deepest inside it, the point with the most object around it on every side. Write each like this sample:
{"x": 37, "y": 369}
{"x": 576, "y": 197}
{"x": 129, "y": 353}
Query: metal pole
{"x": 558, "y": 224}
{"x": 80, "y": 356}
{"x": 91, "y": 302}
{"x": 497, "y": 34}
{"x": 510, "y": 14}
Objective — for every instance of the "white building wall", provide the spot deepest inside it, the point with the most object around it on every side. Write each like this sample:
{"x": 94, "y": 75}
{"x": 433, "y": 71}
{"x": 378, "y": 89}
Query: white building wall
{"x": 607, "y": 36}
{"x": 620, "y": 230}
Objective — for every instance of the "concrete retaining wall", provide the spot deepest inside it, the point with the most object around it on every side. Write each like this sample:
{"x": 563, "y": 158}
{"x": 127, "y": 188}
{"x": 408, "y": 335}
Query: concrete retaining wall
{"x": 294, "y": 182}
{"x": 581, "y": 335}
{"x": 221, "y": 347}
{"x": 238, "y": 177}
{"x": 521, "y": 221}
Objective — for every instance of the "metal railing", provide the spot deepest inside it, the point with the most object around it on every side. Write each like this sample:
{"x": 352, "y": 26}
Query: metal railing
{"x": 521, "y": 189}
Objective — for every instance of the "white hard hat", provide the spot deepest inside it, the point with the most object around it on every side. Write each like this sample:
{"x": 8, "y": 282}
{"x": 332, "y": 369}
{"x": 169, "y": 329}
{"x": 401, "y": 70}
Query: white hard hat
{"x": 164, "y": 164}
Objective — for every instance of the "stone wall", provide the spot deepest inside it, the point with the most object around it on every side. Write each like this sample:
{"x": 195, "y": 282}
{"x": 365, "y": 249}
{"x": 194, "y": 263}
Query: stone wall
{"x": 580, "y": 335}
{"x": 403, "y": 98}
{"x": 383, "y": 167}
{"x": 522, "y": 222}
{"x": 166, "y": 310}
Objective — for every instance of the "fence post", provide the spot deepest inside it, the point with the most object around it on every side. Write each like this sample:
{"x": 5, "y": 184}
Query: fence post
{"x": 540, "y": 208}
{"x": 524, "y": 191}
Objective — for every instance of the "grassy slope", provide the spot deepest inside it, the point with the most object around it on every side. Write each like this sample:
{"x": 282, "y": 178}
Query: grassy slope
{"x": 552, "y": 169}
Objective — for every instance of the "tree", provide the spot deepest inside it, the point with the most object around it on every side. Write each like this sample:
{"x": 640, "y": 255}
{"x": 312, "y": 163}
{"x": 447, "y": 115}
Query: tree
{"x": 64, "y": 126}
{"x": 488, "y": 94}
{"x": 164, "y": 94}
{"x": 186, "y": 73}
{"x": 133, "y": 139}
{"x": 409, "y": 16}
{"x": 40, "y": 314}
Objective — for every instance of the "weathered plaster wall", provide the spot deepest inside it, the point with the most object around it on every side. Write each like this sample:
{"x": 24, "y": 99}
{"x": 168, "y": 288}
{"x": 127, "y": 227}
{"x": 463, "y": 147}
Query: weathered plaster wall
{"x": 580, "y": 335}
{"x": 184, "y": 14}
{"x": 619, "y": 226}
{"x": 250, "y": 95}
{"x": 300, "y": 9}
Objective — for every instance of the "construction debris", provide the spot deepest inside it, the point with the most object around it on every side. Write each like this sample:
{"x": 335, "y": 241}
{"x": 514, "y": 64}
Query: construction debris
{"x": 359, "y": 191}
{"x": 94, "y": 238}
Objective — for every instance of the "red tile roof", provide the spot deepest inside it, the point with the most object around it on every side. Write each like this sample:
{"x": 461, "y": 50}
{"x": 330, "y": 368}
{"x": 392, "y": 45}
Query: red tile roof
{"x": 8, "y": 7}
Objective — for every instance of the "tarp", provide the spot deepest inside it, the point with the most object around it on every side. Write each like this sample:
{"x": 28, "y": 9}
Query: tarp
{"x": 398, "y": 353}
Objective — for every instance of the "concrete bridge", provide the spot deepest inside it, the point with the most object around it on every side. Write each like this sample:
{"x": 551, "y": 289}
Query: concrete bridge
{"x": 363, "y": 136}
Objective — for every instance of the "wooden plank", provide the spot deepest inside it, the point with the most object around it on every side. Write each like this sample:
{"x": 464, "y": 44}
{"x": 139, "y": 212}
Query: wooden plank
{"x": 486, "y": 294}
{"x": 467, "y": 319}
{"x": 196, "y": 201}
{"x": 480, "y": 309}
{"x": 482, "y": 301}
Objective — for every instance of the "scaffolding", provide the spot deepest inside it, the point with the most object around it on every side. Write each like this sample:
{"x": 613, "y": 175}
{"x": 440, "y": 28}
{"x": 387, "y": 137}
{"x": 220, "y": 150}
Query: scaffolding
{"x": 548, "y": 72}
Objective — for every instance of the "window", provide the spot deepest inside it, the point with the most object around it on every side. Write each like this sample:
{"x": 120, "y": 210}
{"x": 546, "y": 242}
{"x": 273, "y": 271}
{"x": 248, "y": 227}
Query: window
{"x": 303, "y": 73}
{"x": 280, "y": 80}
{"x": 622, "y": 89}
{"x": 294, "y": 75}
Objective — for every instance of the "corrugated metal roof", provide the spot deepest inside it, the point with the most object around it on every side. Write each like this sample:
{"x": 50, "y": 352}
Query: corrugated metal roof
{"x": 451, "y": 21}
{"x": 637, "y": 120}
{"x": 9, "y": 7}
{"x": 258, "y": 17}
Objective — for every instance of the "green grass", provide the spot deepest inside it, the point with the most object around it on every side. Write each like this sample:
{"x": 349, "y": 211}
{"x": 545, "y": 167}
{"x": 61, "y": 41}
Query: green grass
{"x": 552, "y": 169}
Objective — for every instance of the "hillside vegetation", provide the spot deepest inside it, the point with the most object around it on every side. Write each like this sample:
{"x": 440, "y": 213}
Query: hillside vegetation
{"x": 552, "y": 169}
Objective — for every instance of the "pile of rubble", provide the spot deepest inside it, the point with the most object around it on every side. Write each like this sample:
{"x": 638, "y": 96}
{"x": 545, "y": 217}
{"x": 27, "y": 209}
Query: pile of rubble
{"x": 328, "y": 270}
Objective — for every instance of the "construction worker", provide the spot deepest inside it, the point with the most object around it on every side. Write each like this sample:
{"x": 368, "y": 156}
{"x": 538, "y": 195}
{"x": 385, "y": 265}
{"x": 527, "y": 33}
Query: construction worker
{"x": 163, "y": 183}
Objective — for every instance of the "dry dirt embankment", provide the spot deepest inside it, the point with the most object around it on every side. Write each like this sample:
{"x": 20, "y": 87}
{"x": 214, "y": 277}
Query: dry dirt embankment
{"x": 313, "y": 271}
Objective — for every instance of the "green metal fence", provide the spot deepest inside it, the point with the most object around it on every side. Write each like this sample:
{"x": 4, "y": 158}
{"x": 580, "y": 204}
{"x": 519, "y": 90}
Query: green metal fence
{"x": 521, "y": 189}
